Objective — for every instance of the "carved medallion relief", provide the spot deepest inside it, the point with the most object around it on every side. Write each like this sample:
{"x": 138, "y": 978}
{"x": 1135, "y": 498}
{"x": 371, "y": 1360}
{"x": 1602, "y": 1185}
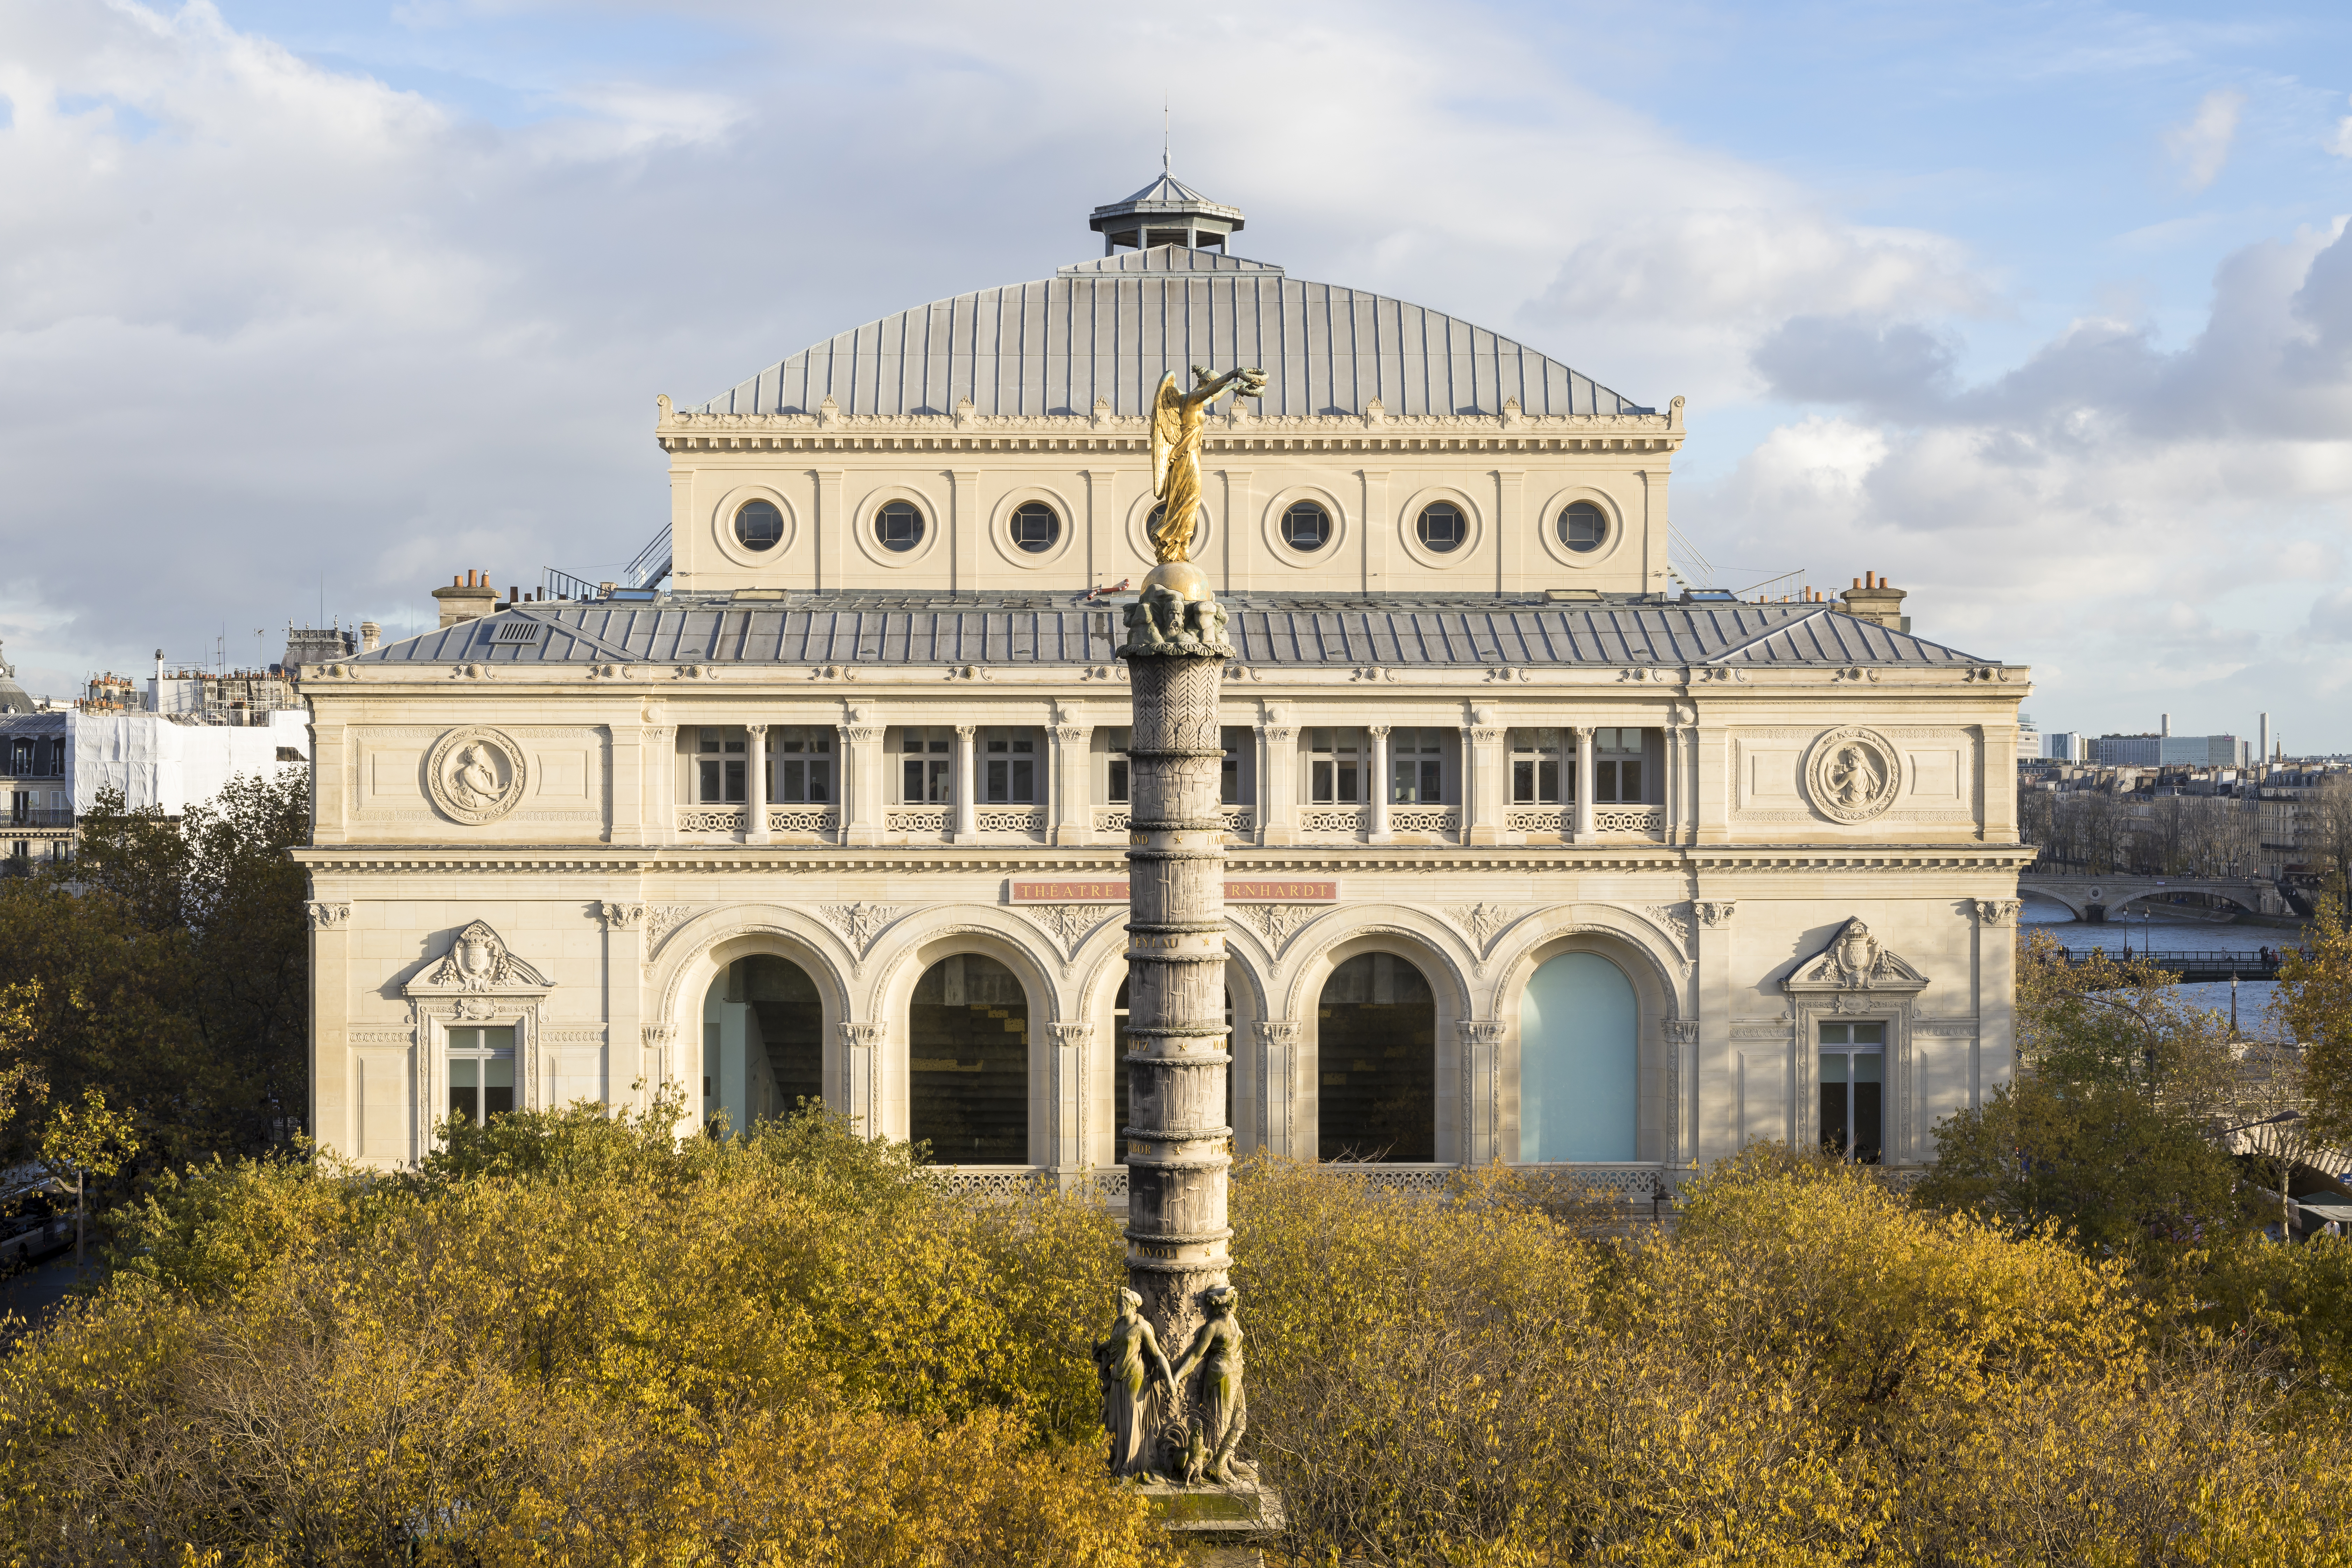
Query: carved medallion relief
{"x": 1852, "y": 774}
{"x": 476, "y": 775}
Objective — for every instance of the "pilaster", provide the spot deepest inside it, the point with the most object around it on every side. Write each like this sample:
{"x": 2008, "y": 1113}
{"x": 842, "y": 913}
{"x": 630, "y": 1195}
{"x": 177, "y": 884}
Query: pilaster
{"x": 332, "y": 1109}
{"x": 964, "y": 529}
{"x": 1377, "y": 529}
{"x": 1072, "y": 785}
{"x": 1277, "y": 1086}
{"x": 1483, "y": 791}
{"x": 1723, "y": 1079}
{"x": 629, "y": 824}
{"x": 1482, "y": 1091}
{"x": 832, "y": 525}
{"x": 861, "y": 1078}
{"x": 1067, "y": 1087}
{"x": 1278, "y": 788}
{"x": 624, "y": 955}
{"x": 862, "y": 791}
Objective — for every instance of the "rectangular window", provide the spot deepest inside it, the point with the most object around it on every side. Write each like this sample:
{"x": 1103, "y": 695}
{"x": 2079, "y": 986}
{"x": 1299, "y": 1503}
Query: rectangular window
{"x": 1334, "y": 758}
{"x": 1536, "y": 766}
{"x": 720, "y": 776}
{"x": 926, "y": 766}
{"x": 481, "y": 1072}
{"x": 1114, "y": 747}
{"x": 1853, "y": 1080}
{"x": 1416, "y": 767}
{"x": 1008, "y": 766}
{"x": 1236, "y": 782}
{"x": 1617, "y": 765}
{"x": 800, "y": 764}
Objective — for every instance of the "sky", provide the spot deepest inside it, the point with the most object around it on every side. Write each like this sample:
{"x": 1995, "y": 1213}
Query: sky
{"x": 2043, "y": 310}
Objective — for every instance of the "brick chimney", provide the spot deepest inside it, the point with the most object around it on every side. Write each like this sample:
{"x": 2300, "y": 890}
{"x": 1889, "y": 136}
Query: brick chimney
{"x": 1872, "y": 599}
{"x": 466, "y": 598}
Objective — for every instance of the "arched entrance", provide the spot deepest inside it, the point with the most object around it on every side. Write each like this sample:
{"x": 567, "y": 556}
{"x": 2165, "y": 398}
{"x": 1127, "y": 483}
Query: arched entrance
{"x": 968, "y": 1063}
{"x": 1376, "y": 1040}
{"x": 763, "y": 1041}
{"x": 1580, "y": 1059}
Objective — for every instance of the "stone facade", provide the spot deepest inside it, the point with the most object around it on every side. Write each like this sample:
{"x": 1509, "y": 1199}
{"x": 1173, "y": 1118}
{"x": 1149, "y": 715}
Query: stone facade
{"x": 1471, "y": 761}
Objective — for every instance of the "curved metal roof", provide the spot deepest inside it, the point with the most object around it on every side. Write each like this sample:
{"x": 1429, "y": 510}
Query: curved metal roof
{"x": 1273, "y": 630}
{"x": 1110, "y": 328}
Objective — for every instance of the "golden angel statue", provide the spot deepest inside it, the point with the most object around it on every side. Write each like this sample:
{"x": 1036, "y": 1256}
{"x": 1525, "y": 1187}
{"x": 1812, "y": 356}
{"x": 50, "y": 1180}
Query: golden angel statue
{"x": 1176, "y": 452}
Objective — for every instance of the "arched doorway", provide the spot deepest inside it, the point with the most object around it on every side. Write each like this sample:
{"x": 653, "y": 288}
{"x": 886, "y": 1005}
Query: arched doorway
{"x": 763, "y": 1041}
{"x": 1118, "y": 1060}
{"x": 1376, "y": 1040}
{"x": 1580, "y": 1059}
{"x": 968, "y": 1063}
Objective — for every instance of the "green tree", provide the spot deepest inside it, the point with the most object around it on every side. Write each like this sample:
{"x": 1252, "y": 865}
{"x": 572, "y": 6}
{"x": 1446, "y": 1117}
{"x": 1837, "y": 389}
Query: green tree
{"x": 172, "y": 968}
{"x": 2313, "y": 1009}
{"x": 89, "y": 1141}
{"x": 2108, "y": 1130}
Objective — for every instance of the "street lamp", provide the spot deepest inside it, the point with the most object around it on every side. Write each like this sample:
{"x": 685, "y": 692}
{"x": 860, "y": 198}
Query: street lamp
{"x": 2266, "y": 1121}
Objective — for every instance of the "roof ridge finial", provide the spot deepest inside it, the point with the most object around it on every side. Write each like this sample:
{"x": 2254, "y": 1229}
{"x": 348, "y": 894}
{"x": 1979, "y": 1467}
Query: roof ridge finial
{"x": 1163, "y": 136}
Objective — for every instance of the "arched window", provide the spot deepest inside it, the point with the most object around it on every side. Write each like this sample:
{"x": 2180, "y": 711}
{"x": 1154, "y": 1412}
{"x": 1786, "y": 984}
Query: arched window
{"x": 759, "y": 525}
{"x": 763, "y": 1041}
{"x": 1578, "y": 1061}
{"x": 1306, "y": 526}
{"x": 1376, "y": 1036}
{"x": 968, "y": 1063}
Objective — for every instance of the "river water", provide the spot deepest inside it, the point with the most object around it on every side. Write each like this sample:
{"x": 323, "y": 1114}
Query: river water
{"x": 2161, "y": 931}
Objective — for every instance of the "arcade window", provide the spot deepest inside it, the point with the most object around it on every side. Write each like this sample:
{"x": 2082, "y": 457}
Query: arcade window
{"x": 1008, "y": 766}
{"x": 720, "y": 776}
{"x": 1535, "y": 767}
{"x": 1416, "y": 767}
{"x": 1333, "y": 762}
{"x": 800, "y": 764}
{"x": 926, "y": 766}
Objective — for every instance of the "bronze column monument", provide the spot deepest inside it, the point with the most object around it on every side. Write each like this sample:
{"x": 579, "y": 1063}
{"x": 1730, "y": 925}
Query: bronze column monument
{"x": 1176, "y": 1144}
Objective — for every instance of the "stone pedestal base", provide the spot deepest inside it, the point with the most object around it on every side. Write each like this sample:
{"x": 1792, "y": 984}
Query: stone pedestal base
{"x": 1217, "y": 1527}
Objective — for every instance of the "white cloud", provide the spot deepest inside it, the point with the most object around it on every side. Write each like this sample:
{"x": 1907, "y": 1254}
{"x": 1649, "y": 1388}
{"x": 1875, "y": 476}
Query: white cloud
{"x": 2200, "y": 144}
{"x": 2341, "y": 143}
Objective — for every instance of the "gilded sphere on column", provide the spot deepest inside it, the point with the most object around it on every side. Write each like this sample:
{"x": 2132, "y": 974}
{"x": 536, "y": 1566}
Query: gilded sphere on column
{"x": 1181, "y": 578}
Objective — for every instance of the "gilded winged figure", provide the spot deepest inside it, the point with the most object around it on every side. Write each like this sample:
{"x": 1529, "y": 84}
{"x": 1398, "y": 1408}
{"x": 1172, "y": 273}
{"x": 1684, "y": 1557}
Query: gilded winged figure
{"x": 1176, "y": 452}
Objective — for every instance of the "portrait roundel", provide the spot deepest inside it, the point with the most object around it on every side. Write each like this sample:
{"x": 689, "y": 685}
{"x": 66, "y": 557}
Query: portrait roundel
{"x": 1852, "y": 774}
{"x": 476, "y": 775}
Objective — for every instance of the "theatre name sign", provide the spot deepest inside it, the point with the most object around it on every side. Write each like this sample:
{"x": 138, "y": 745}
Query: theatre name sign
{"x": 1113, "y": 891}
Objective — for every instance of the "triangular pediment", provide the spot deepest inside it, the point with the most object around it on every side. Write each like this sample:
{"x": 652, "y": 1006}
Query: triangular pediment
{"x": 1855, "y": 961}
{"x": 478, "y": 963}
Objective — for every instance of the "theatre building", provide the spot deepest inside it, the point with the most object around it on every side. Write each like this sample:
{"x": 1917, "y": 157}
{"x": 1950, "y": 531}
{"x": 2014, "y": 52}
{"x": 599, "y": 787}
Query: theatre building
{"x": 1536, "y": 854}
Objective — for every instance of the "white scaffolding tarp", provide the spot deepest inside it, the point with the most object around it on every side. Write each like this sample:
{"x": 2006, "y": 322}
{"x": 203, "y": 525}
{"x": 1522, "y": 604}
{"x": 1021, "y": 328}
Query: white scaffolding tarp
{"x": 154, "y": 762}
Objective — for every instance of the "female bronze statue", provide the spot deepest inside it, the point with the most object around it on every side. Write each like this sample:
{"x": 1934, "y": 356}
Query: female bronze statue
{"x": 1133, "y": 1373}
{"x": 1176, "y": 453}
{"x": 1219, "y": 1412}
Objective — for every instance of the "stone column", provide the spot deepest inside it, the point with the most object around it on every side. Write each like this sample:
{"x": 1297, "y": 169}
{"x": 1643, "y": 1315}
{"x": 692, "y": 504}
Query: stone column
{"x": 755, "y": 785}
{"x": 966, "y": 788}
{"x": 1379, "y": 792}
{"x": 336, "y": 1086}
{"x": 1740, "y": 1089}
{"x": 1584, "y": 783}
{"x": 863, "y": 787}
{"x": 1177, "y": 1058}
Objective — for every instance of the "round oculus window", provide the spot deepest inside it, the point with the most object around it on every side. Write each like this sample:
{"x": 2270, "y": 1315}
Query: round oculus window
{"x": 1583, "y": 527}
{"x": 759, "y": 525}
{"x": 1306, "y": 526}
{"x": 898, "y": 526}
{"x": 1442, "y": 527}
{"x": 1036, "y": 527}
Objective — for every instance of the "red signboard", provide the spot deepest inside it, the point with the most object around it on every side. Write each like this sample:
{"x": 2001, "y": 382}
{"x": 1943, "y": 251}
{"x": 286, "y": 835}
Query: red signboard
{"x": 1113, "y": 891}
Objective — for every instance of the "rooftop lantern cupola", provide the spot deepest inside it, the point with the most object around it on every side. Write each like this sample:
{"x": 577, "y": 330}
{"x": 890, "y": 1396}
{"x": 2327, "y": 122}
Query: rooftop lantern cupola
{"x": 1165, "y": 212}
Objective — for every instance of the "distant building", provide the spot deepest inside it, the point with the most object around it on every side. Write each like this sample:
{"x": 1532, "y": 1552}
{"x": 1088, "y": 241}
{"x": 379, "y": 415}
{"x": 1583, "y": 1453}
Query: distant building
{"x": 53, "y": 766}
{"x": 2164, "y": 751}
{"x": 2029, "y": 737}
{"x": 2063, "y": 746}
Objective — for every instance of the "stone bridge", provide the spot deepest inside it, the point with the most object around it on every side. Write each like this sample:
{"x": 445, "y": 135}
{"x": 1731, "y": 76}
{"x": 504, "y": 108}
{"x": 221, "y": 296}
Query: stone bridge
{"x": 2092, "y": 898}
